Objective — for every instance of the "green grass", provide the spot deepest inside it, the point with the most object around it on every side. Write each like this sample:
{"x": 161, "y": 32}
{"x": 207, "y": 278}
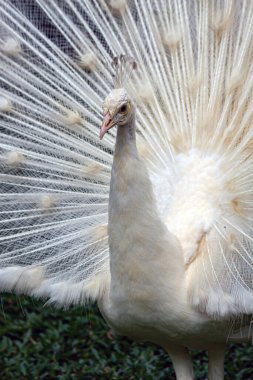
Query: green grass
{"x": 40, "y": 342}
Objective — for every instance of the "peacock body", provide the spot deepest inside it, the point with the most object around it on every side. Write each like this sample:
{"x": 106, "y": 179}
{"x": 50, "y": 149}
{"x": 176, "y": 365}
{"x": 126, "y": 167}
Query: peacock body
{"x": 158, "y": 230}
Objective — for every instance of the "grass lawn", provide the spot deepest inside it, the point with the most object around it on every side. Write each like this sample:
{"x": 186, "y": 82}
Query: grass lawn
{"x": 40, "y": 342}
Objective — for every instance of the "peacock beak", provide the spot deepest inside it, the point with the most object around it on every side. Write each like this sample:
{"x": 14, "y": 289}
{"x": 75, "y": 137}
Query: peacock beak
{"x": 108, "y": 123}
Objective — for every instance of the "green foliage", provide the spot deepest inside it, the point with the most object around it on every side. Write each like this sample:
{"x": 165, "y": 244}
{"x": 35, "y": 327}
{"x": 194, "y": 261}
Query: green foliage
{"x": 39, "y": 342}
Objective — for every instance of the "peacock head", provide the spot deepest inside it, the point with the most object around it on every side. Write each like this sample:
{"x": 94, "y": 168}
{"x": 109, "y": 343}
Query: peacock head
{"x": 118, "y": 108}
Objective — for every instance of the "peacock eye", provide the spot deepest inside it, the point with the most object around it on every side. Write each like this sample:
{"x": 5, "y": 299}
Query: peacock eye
{"x": 123, "y": 108}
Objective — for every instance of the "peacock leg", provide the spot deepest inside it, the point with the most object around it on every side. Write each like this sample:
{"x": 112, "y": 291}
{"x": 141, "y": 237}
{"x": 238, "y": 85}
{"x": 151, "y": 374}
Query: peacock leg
{"x": 216, "y": 362}
{"x": 182, "y": 362}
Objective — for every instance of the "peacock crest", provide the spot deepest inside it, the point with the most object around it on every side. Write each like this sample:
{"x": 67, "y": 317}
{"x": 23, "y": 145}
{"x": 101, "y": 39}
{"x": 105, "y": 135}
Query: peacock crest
{"x": 123, "y": 66}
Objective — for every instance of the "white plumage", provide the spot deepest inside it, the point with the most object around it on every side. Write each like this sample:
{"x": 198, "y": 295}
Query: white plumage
{"x": 177, "y": 267}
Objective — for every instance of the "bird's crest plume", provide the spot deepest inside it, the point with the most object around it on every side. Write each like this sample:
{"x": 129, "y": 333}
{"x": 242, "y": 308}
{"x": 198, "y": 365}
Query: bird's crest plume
{"x": 123, "y": 66}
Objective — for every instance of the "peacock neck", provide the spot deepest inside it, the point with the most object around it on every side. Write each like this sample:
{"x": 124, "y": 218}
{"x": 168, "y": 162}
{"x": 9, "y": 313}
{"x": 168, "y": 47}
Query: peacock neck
{"x": 136, "y": 232}
{"x": 128, "y": 171}
{"x": 131, "y": 193}
{"x": 126, "y": 139}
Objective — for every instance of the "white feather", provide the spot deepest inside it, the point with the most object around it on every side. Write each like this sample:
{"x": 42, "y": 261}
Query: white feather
{"x": 193, "y": 90}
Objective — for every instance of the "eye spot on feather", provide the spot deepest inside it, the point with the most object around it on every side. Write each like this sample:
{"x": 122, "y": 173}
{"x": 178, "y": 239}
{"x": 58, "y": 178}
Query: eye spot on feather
{"x": 21, "y": 279}
{"x": 172, "y": 40}
{"x": 92, "y": 169}
{"x": 14, "y": 158}
{"x": 237, "y": 80}
{"x": 237, "y": 206}
{"x": 70, "y": 118}
{"x": 47, "y": 201}
{"x": 11, "y": 47}
{"x": 5, "y": 104}
{"x": 100, "y": 232}
{"x": 118, "y": 5}
{"x": 30, "y": 278}
{"x": 88, "y": 61}
{"x": 223, "y": 20}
